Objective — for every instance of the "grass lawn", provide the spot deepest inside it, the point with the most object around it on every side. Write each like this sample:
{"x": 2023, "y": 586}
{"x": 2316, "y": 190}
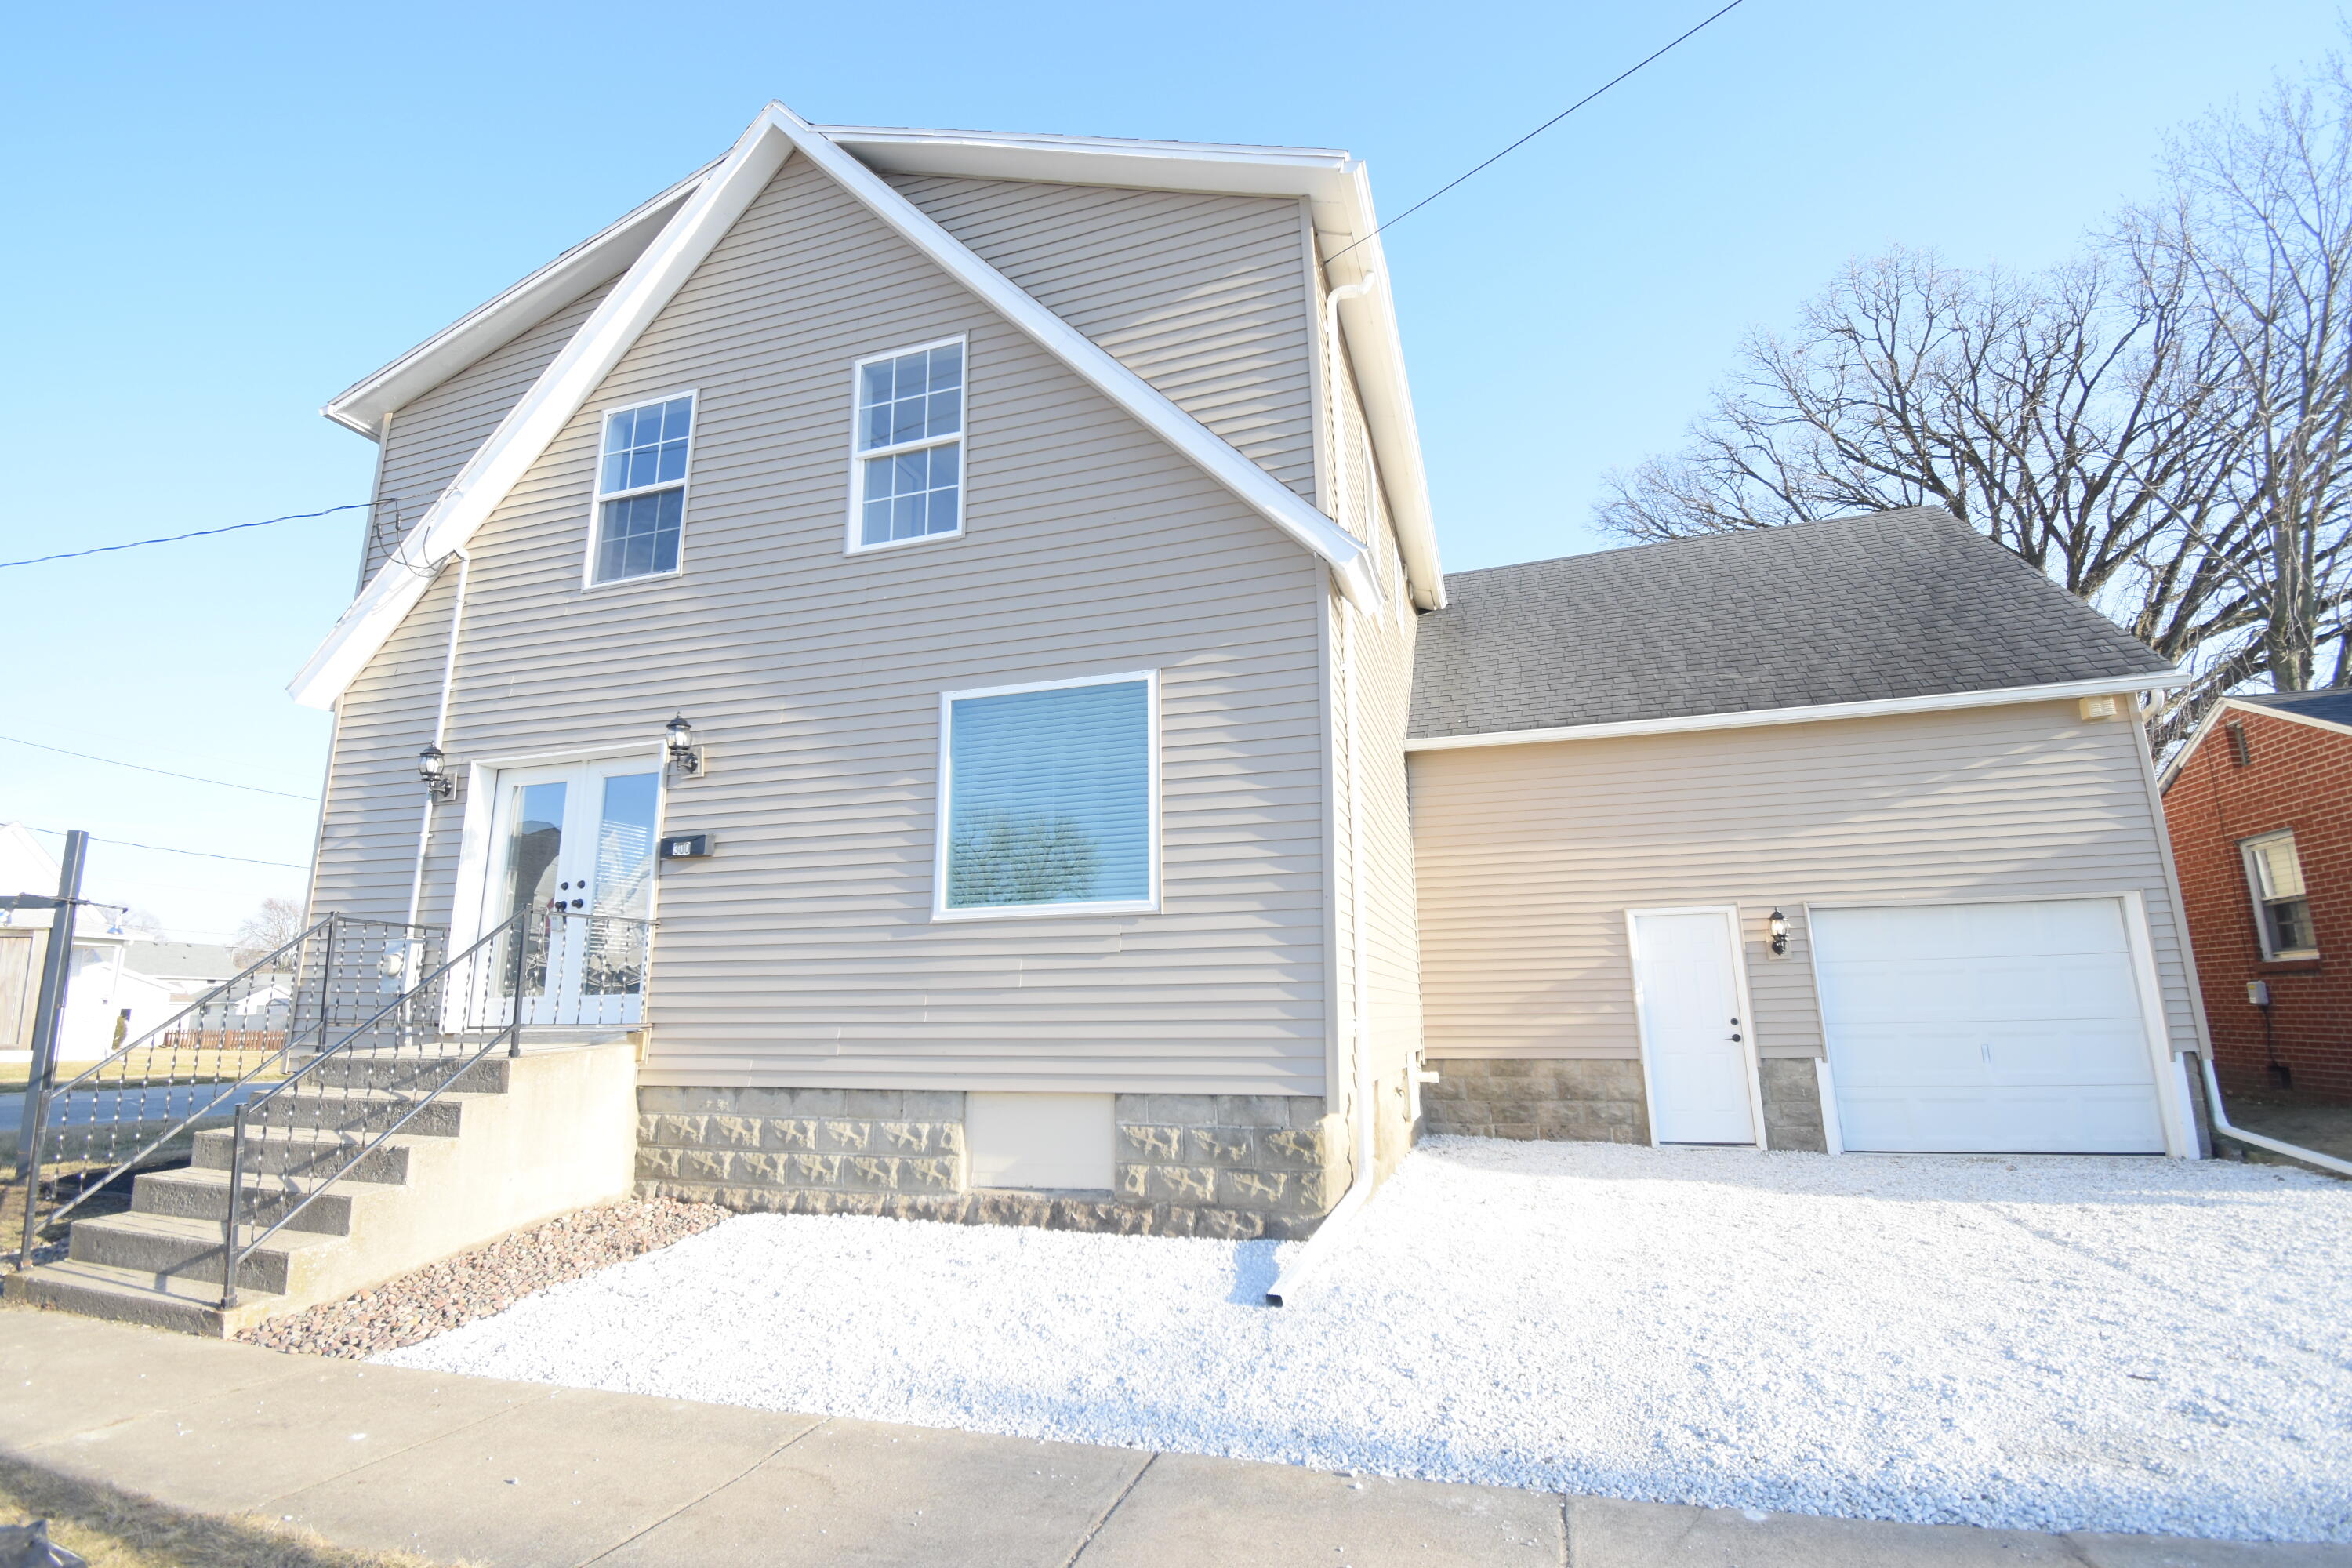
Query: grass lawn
{"x": 115, "y": 1528}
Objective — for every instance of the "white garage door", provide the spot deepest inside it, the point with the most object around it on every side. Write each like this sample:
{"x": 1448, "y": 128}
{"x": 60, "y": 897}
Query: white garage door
{"x": 1994, "y": 1028}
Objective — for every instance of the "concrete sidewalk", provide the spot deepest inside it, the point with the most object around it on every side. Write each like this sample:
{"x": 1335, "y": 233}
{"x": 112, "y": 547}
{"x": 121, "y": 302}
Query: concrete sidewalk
{"x": 512, "y": 1474}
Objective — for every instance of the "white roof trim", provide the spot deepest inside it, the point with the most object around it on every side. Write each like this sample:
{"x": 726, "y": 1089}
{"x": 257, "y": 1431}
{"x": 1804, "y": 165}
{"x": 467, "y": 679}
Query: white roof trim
{"x": 1750, "y": 717}
{"x": 717, "y": 199}
{"x": 365, "y": 405}
{"x": 1339, "y": 194}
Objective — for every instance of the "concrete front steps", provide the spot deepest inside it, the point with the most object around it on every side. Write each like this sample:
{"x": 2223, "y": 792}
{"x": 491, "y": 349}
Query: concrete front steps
{"x": 516, "y": 1141}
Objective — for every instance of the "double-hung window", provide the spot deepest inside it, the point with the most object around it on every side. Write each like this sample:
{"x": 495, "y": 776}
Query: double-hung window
{"x": 907, "y": 471}
{"x": 2281, "y": 909}
{"x": 1049, "y": 798}
{"x": 641, "y": 490}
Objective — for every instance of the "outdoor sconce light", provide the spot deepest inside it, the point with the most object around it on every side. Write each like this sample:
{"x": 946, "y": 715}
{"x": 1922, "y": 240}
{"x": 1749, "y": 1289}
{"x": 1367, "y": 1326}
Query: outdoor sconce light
{"x": 684, "y": 754}
{"x": 1775, "y": 926}
{"x": 432, "y": 767}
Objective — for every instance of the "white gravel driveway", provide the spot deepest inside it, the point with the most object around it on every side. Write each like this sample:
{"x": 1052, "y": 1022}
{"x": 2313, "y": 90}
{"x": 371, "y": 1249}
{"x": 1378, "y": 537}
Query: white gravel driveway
{"x": 2038, "y": 1343}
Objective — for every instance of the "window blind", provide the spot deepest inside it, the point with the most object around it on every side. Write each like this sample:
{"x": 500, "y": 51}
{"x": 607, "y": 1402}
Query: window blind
{"x": 1049, "y": 796}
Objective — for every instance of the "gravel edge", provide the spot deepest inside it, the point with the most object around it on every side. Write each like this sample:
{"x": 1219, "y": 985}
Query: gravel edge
{"x": 486, "y": 1281}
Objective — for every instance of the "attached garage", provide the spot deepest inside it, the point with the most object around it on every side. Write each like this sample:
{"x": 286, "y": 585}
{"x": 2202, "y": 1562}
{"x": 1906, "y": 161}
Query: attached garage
{"x": 1999, "y": 1027}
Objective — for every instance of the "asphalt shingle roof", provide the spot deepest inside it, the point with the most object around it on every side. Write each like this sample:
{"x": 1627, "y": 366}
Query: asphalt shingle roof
{"x": 2333, "y": 704}
{"x": 1857, "y": 609}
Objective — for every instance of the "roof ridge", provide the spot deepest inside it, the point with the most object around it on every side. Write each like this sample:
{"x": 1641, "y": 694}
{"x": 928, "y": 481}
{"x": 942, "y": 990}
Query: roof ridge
{"x": 1764, "y": 531}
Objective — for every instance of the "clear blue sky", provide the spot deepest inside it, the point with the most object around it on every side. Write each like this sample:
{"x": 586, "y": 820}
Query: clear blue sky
{"x": 224, "y": 215}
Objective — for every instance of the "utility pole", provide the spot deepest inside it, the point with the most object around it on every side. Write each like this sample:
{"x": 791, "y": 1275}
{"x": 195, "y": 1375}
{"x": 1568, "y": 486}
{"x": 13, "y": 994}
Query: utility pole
{"x": 49, "y": 1008}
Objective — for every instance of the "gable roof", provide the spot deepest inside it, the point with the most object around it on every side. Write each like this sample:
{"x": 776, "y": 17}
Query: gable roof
{"x": 2330, "y": 708}
{"x": 2330, "y": 705}
{"x": 657, "y": 248}
{"x": 1887, "y": 607}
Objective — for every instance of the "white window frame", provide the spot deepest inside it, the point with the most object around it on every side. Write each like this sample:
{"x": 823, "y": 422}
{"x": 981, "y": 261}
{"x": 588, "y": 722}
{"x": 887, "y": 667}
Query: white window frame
{"x": 858, "y": 457}
{"x": 2246, "y": 847}
{"x": 1150, "y": 903}
{"x": 598, "y": 495}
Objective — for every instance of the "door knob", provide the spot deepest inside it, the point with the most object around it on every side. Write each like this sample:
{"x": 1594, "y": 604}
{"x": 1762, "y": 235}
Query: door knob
{"x": 577, "y": 902}
{"x": 1735, "y": 1039}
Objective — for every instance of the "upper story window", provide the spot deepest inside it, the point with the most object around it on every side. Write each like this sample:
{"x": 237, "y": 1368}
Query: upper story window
{"x": 2281, "y": 910}
{"x": 906, "y": 481}
{"x": 1049, "y": 798}
{"x": 641, "y": 490}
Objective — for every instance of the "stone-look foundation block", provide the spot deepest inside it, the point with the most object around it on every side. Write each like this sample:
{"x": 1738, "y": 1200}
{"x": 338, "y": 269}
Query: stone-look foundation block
{"x": 1227, "y": 1165}
{"x": 1792, "y": 1105}
{"x": 1594, "y": 1102}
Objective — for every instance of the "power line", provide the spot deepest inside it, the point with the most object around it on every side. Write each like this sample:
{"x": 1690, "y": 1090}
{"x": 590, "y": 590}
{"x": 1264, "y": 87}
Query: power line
{"x": 1531, "y": 135}
{"x": 166, "y": 772}
{"x": 167, "y": 849}
{"x": 200, "y": 533}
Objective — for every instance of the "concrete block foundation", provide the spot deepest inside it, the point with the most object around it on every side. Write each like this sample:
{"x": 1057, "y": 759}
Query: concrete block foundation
{"x": 1598, "y": 1101}
{"x": 1232, "y": 1166}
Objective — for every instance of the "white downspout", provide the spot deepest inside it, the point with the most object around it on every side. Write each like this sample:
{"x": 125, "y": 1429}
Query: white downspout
{"x": 2222, "y": 1125}
{"x": 440, "y": 727}
{"x": 1325, "y": 1239}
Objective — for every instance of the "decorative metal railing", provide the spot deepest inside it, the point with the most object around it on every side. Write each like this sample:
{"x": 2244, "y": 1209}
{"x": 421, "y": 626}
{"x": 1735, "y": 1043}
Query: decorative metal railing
{"x": 141, "y": 1106}
{"x": 298, "y": 1136}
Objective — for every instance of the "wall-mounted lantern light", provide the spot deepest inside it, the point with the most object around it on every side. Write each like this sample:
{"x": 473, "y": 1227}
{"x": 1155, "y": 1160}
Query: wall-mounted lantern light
{"x": 432, "y": 767}
{"x": 1777, "y": 927}
{"x": 684, "y": 754}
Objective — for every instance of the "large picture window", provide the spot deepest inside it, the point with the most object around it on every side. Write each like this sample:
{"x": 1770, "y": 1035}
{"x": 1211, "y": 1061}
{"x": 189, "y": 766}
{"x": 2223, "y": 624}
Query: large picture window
{"x": 1049, "y": 798}
{"x": 907, "y": 482}
{"x": 2281, "y": 909}
{"x": 641, "y": 490}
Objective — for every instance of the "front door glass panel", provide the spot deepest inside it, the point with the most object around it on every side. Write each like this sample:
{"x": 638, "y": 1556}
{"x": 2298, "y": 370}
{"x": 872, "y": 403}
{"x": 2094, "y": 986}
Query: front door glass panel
{"x": 534, "y": 857}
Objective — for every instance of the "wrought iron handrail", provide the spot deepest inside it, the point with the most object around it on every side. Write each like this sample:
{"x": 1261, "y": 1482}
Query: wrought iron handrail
{"x": 513, "y": 967}
{"x": 92, "y": 1079}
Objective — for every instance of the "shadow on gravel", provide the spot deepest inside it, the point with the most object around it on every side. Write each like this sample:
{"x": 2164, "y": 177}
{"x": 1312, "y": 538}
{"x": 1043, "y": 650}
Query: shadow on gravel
{"x": 1255, "y": 1269}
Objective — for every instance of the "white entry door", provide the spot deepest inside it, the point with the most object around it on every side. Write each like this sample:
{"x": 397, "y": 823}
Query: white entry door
{"x": 2011, "y": 1028}
{"x": 574, "y": 843}
{"x": 1697, "y": 1040}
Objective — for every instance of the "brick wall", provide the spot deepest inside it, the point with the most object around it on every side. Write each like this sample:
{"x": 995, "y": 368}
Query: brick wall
{"x": 2297, "y": 776}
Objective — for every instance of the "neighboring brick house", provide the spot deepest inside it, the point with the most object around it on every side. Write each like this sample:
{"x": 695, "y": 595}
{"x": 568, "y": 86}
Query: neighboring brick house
{"x": 2260, "y": 808}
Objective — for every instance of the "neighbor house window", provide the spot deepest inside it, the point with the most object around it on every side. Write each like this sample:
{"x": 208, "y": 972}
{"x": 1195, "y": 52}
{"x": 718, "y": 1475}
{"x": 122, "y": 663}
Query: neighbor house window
{"x": 2282, "y": 911}
{"x": 1049, "y": 798}
{"x": 908, "y": 478}
{"x": 641, "y": 490}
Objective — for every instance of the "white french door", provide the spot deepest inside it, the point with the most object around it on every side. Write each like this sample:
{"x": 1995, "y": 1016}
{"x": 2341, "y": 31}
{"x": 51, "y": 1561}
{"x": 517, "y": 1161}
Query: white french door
{"x": 574, "y": 843}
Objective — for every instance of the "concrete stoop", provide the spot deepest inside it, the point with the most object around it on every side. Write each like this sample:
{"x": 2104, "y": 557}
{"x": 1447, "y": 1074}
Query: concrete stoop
{"x": 517, "y": 1140}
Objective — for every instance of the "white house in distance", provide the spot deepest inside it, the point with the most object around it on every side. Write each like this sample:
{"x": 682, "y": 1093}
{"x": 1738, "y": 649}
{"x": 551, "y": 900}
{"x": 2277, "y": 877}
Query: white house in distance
{"x": 105, "y": 998}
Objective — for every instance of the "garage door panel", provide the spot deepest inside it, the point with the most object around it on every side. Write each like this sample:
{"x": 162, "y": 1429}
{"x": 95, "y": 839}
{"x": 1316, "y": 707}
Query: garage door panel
{"x": 2083, "y": 1055}
{"x": 1895, "y": 1057}
{"x": 2011, "y": 1120}
{"x": 2096, "y": 986}
{"x": 1988, "y": 1028}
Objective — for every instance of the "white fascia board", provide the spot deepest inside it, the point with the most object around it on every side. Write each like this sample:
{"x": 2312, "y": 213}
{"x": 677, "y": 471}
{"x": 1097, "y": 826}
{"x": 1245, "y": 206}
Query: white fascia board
{"x": 1350, "y": 560}
{"x": 363, "y": 405}
{"x": 1335, "y": 186}
{"x": 2268, "y": 712}
{"x": 1751, "y": 718}
{"x": 534, "y": 422}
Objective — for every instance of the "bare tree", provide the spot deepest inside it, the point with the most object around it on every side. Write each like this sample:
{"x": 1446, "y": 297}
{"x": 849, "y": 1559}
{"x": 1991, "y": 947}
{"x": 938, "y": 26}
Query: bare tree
{"x": 2160, "y": 425}
{"x": 270, "y": 927}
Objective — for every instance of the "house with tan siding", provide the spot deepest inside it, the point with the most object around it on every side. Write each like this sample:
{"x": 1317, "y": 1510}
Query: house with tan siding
{"x": 1145, "y": 568}
{"x": 913, "y": 670}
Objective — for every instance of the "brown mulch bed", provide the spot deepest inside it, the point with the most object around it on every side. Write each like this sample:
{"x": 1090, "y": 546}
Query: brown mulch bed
{"x": 442, "y": 1296}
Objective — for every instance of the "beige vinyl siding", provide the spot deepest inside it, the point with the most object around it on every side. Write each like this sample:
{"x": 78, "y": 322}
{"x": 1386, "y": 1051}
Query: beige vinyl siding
{"x": 1203, "y": 296}
{"x": 433, "y": 435}
{"x": 802, "y": 953}
{"x": 1372, "y": 755}
{"x": 1531, "y": 855}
